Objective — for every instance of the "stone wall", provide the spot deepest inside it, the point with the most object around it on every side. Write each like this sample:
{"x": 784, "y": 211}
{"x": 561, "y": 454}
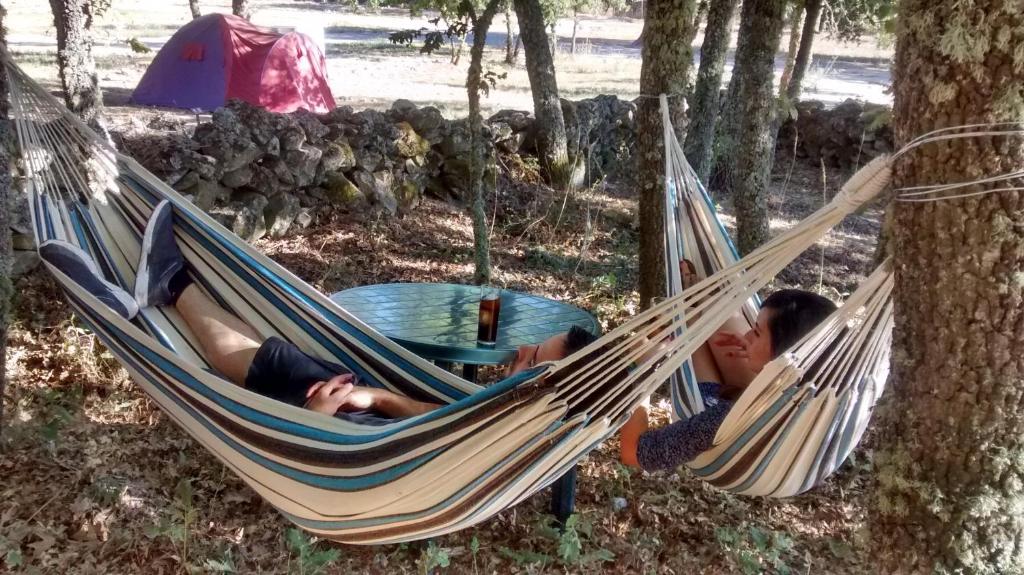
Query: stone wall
{"x": 850, "y": 134}
{"x": 264, "y": 173}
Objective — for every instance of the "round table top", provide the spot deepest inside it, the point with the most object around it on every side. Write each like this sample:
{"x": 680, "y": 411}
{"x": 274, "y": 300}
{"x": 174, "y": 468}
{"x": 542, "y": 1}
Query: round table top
{"x": 439, "y": 321}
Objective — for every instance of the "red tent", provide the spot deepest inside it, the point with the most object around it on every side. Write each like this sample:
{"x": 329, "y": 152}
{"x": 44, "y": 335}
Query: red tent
{"x": 218, "y": 57}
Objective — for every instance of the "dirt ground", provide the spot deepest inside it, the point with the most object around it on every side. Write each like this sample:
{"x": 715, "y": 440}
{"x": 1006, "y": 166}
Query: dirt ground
{"x": 94, "y": 479}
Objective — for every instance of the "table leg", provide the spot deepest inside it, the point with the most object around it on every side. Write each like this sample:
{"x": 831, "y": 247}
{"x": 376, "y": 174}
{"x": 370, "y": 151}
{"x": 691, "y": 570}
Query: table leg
{"x": 469, "y": 371}
{"x": 563, "y": 497}
{"x": 445, "y": 365}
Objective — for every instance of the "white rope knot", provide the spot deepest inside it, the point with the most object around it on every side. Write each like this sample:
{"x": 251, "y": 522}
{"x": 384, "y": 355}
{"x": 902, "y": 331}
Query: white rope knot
{"x": 865, "y": 185}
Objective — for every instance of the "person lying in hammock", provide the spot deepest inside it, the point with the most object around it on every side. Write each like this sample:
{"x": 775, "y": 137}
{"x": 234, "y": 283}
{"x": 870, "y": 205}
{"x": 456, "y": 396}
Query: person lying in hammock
{"x": 724, "y": 365}
{"x": 272, "y": 367}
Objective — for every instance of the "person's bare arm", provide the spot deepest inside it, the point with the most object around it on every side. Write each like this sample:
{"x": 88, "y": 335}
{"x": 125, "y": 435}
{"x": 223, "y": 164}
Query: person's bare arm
{"x": 394, "y": 405}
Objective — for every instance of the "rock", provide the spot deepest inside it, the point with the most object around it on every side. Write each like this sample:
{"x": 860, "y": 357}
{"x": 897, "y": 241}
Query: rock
{"x": 402, "y": 109}
{"x": 336, "y": 156}
{"x": 341, "y": 191}
{"x": 209, "y": 194}
{"x": 205, "y": 166}
{"x": 242, "y": 156}
{"x": 311, "y": 126}
{"x": 302, "y": 163}
{"x": 409, "y": 193}
{"x": 273, "y": 146}
{"x": 259, "y": 121}
{"x": 187, "y": 182}
{"x": 280, "y": 168}
{"x": 518, "y": 120}
{"x": 500, "y": 131}
{"x": 303, "y": 219}
{"x": 619, "y": 503}
{"x": 513, "y": 143}
{"x": 23, "y": 262}
{"x": 378, "y": 189}
{"x": 279, "y": 214}
{"x": 263, "y": 182}
{"x": 409, "y": 144}
{"x": 22, "y": 241}
{"x": 429, "y": 123}
{"x": 292, "y": 138}
{"x": 244, "y": 216}
{"x": 237, "y": 178}
{"x": 368, "y": 160}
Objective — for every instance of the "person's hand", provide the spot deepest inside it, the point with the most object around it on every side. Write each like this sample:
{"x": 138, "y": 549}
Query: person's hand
{"x": 734, "y": 344}
{"x": 338, "y": 394}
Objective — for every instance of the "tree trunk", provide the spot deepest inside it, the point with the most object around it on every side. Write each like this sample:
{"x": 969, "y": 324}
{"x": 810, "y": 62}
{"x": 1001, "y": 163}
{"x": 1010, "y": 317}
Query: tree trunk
{"x": 6, "y": 287}
{"x": 510, "y": 39}
{"x": 665, "y": 67}
{"x": 702, "y": 11}
{"x": 949, "y": 466}
{"x": 193, "y": 5}
{"x": 73, "y": 21}
{"x": 547, "y": 108}
{"x": 519, "y": 44}
{"x": 803, "y": 55}
{"x": 575, "y": 27}
{"x": 481, "y": 163}
{"x": 795, "y": 18}
{"x": 241, "y": 9}
{"x": 750, "y": 163}
{"x": 706, "y": 100}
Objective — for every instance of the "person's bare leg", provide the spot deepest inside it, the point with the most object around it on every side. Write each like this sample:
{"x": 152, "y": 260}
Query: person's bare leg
{"x": 229, "y": 343}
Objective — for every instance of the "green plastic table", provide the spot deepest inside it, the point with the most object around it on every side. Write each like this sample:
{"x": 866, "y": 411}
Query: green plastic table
{"x": 439, "y": 322}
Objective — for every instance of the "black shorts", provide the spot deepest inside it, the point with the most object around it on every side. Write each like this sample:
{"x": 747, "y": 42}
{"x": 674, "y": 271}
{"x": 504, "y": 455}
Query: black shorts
{"x": 281, "y": 371}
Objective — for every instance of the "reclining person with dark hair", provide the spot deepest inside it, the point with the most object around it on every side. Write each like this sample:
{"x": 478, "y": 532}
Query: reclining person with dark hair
{"x": 725, "y": 365}
{"x": 271, "y": 367}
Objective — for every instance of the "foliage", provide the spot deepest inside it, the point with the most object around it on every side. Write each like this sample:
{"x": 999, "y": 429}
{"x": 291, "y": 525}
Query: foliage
{"x": 849, "y": 20}
{"x": 309, "y": 560}
{"x": 433, "y": 557}
{"x": 177, "y": 524}
{"x": 137, "y": 46}
{"x": 571, "y": 544}
{"x": 756, "y": 550}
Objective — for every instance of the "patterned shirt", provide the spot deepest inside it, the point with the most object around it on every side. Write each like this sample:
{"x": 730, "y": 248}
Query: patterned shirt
{"x": 684, "y": 440}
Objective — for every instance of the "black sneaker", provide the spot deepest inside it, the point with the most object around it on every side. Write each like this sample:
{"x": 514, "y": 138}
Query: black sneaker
{"x": 161, "y": 259}
{"x": 77, "y": 265}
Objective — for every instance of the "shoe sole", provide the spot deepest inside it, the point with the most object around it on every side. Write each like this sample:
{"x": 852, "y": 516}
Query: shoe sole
{"x": 121, "y": 295}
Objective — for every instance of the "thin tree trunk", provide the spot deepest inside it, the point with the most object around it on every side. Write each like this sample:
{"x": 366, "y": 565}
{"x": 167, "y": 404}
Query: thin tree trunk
{"x": 665, "y": 68}
{"x": 702, "y": 12}
{"x": 803, "y": 55}
{"x": 480, "y": 163}
{"x": 73, "y": 21}
{"x": 552, "y": 149}
{"x": 751, "y": 162}
{"x": 575, "y": 27}
{"x": 510, "y": 39}
{"x": 706, "y": 100}
{"x": 552, "y": 38}
{"x": 6, "y": 287}
{"x": 795, "y": 18}
{"x": 949, "y": 466}
{"x": 193, "y": 5}
{"x": 519, "y": 45}
{"x": 241, "y": 9}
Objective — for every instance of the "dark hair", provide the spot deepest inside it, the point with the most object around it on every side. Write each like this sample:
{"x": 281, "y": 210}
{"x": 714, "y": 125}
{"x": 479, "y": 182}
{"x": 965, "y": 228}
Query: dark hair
{"x": 576, "y": 339}
{"x": 795, "y": 313}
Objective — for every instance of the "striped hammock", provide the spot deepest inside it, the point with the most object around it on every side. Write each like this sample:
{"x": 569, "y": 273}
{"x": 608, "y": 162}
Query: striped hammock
{"x": 485, "y": 450}
{"x": 803, "y": 414}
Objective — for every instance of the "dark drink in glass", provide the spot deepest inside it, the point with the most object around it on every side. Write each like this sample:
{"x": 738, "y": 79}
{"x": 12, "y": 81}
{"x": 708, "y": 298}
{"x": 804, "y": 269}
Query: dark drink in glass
{"x": 490, "y": 308}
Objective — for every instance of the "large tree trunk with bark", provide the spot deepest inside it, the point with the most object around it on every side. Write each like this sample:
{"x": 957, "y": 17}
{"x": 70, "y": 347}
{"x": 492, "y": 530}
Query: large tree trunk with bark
{"x": 193, "y": 5}
{"x": 6, "y": 287}
{"x": 803, "y": 55}
{"x": 749, "y": 168}
{"x": 241, "y": 8}
{"x": 481, "y": 169}
{"x": 706, "y": 100}
{"x": 796, "y": 14}
{"x": 665, "y": 68}
{"x": 547, "y": 108}
{"x": 73, "y": 21}
{"x": 950, "y": 461}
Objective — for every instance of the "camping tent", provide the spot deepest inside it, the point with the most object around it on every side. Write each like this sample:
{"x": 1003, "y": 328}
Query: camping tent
{"x": 218, "y": 57}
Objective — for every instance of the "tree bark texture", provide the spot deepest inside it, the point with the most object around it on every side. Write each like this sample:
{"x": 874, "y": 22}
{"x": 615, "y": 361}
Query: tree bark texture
{"x": 803, "y": 55}
{"x": 751, "y": 163}
{"x": 6, "y": 287}
{"x": 706, "y": 100}
{"x": 547, "y": 108}
{"x": 698, "y": 17}
{"x": 73, "y": 21}
{"x": 193, "y": 5}
{"x": 510, "y": 39}
{"x": 795, "y": 19}
{"x": 241, "y": 8}
{"x": 665, "y": 69}
{"x": 950, "y": 466}
{"x": 481, "y": 165}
